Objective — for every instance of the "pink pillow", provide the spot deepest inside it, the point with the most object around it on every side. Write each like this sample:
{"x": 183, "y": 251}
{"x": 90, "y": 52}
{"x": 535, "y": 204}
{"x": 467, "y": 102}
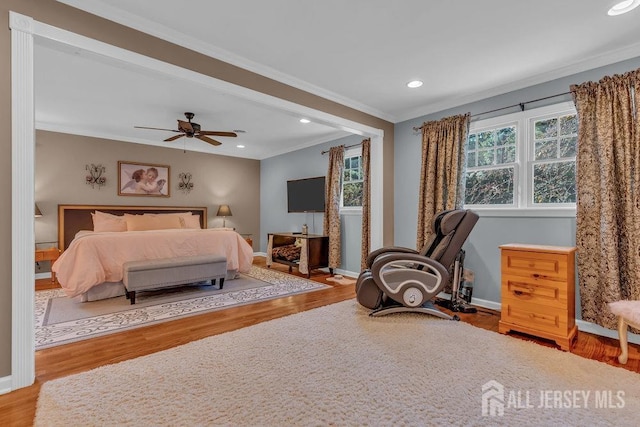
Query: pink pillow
{"x": 191, "y": 221}
{"x": 152, "y": 222}
{"x": 187, "y": 219}
{"x": 103, "y": 221}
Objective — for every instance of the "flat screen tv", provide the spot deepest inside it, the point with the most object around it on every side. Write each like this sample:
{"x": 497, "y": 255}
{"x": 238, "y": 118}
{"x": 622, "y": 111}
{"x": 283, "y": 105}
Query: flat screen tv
{"x": 306, "y": 195}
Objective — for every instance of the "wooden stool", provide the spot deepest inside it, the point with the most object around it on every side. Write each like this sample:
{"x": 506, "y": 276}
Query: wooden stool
{"x": 628, "y": 313}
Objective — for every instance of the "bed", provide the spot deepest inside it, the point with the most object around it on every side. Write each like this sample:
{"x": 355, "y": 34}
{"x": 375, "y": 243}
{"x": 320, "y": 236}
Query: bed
{"x": 91, "y": 265}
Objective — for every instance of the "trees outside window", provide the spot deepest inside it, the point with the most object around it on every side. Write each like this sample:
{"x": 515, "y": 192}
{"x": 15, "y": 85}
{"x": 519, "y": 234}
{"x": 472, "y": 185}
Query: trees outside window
{"x": 523, "y": 160}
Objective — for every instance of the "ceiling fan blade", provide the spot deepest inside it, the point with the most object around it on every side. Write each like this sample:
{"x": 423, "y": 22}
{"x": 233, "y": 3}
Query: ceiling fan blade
{"x": 173, "y": 138}
{"x": 217, "y": 133}
{"x": 207, "y": 139}
{"x": 144, "y": 127}
{"x": 185, "y": 126}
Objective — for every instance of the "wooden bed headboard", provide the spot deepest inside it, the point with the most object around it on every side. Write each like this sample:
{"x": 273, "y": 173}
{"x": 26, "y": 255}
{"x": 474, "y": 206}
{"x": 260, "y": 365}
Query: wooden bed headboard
{"x": 73, "y": 218}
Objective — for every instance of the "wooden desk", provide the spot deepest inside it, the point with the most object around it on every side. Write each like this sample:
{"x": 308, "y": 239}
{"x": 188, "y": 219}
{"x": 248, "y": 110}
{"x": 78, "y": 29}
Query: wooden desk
{"x": 314, "y": 252}
{"x": 48, "y": 254}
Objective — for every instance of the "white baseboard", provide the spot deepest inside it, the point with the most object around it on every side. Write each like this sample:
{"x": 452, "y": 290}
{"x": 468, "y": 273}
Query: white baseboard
{"x": 45, "y": 275}
{"x": 5, "y": 385}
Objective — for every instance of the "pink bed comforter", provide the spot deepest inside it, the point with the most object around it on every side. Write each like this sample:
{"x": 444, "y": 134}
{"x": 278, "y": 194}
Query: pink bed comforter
{"x": 94, "y": 258}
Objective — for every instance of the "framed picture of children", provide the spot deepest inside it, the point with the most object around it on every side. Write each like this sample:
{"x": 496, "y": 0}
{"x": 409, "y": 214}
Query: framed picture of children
{"x": 143, "y": 179}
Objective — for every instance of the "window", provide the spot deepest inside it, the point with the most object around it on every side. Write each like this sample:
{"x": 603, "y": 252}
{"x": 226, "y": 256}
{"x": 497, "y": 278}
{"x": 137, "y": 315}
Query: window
{"x": 523, "y": 160}
{"x": 352, "y": 180}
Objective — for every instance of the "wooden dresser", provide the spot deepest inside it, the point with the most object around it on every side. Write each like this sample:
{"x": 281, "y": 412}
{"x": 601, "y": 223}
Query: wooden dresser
{"x": 538, "y": 292}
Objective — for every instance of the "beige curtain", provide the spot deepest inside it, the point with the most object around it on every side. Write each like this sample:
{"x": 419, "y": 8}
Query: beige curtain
{"x": 441, "y": 180}
{"x": 608, "y": 186}
{"x": 332, "y": 204}
{"x": 366, "y": 208}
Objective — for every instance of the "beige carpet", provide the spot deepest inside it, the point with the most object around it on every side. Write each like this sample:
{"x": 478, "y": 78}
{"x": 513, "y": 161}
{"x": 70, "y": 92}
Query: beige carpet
{"x": 337, "y": 366}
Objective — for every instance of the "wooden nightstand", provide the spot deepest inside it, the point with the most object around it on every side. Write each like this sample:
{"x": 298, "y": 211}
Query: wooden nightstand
{"x": 48, "y": 254}
{"x": 248, "y": 238}
{"x": 538, "y": 292}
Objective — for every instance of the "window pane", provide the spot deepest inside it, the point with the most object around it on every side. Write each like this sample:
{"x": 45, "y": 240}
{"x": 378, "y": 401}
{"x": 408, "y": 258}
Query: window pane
{"x": 569, "y": 125}
{"x": 546, "y": 128}
{"x": 485, "y": 139}
{"x": 568, "y": 147}
{"x": 471, "y": 143}
{"x": 471, "y": 159}
{"x": 507, "y": 136}
{"x": 490, "y": 187}
{"x": 486, "y": 157}
{"x": 554, "y": 182}
{"x": 546, "y": 150}
{"x": 352, "y": 194}
{"x": 506, "y": 154}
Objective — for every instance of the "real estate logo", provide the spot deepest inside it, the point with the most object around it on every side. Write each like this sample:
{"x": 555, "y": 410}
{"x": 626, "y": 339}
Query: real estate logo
{"x": 492, "y": 399}
{"x": 495, "y": 398}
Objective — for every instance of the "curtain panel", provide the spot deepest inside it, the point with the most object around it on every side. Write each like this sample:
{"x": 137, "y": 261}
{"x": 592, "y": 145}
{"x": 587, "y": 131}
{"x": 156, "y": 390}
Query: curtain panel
{"x": 608, "y": 199}
{"x": 441, "y": 174}
{"x": 366, "y": 208}
{"x": 333, "y": 190}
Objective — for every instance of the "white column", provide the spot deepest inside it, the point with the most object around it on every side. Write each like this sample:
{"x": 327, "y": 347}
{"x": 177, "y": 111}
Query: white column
{"x": 22, "y": 201}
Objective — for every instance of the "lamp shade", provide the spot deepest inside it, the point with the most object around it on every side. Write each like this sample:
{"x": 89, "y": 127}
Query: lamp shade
{"x": 224, "y": 210}
{"x": 38, "y": 212}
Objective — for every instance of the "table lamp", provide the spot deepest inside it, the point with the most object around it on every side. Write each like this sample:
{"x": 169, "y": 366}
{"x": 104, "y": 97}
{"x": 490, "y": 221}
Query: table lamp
{"x": 224, "y": 211}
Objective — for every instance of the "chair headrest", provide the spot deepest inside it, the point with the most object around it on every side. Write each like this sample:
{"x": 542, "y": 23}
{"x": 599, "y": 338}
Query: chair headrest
{"x": 450, "y": 220}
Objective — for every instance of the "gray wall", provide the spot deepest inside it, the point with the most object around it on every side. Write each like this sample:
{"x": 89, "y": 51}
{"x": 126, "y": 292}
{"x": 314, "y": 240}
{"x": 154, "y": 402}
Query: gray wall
{"x": 304, "y": 163}
{"x": 60, "y": 179}
{"x": 482, "y": 253}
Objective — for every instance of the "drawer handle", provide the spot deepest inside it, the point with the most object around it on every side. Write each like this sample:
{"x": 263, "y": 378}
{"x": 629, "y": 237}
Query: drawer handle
{"x": 528, "y": 291}
{"x": 536, "y": 275}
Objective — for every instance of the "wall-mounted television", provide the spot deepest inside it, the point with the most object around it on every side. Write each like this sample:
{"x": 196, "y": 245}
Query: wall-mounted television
{"x": 306, "y": 195}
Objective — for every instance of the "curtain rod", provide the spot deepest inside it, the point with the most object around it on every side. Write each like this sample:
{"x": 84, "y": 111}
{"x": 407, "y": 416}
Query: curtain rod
{"x": 348, "y": 146}
{"x": 521, "y": 105}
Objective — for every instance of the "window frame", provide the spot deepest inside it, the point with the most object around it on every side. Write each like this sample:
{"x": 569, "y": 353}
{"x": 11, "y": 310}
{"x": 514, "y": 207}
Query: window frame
{"x": 350, "y": 210}
{"x": 525, "y": 160}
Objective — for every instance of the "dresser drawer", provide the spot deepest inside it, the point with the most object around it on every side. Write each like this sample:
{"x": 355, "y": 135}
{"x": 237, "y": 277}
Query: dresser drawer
{"x": 535, "y": 264}
{"x": 536, "y": 291}
{"x": 534, "y": 316}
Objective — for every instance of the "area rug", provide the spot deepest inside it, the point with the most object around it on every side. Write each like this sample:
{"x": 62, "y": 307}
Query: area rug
{"x": 336, "y": 365}
{"x": 60, "y": 320}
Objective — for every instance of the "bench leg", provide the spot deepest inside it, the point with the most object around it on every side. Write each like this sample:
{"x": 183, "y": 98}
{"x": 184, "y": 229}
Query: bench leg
{"x": 221, "y": 282}
{"x": 622, "y": 335}
{"x": 132, "y": 297}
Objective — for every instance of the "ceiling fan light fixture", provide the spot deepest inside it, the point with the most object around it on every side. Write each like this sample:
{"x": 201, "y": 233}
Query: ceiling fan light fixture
{"x": 305, "y": 121}
{"x": 414, "y": 84}
{"x": 623, "y": 7}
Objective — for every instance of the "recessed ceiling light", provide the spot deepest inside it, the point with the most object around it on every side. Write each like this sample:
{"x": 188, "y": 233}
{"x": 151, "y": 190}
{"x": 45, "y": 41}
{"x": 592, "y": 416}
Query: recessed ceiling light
{"x": 305, "y": 121}
{"x": 414, "y": 83}
{"x": 240, "y": 146}
{"x": 623, "y": 7}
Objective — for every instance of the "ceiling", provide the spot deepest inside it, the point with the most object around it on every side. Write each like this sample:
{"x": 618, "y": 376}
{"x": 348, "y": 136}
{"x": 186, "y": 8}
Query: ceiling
{"x": 360, "y": 53}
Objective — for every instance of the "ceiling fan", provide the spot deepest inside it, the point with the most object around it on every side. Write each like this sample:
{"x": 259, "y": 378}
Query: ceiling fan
{"x": 191, "y": 129}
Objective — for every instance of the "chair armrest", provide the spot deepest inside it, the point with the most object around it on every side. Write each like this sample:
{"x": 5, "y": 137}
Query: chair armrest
{"x": 395, "y": 272}
{"x": 374, "y": 254}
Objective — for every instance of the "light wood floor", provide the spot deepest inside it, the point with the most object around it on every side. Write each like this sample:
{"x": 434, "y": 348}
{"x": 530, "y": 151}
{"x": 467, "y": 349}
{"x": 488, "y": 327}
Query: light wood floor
{"x": 18, "y": 408}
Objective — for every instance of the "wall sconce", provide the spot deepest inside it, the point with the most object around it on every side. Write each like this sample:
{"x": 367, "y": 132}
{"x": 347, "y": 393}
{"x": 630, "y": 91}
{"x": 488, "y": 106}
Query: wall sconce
{"x": 185, "y": 185}
{"x": 38, "y": 212}
{"x": 224, "y": 211}
{"x": 95, "y": 175}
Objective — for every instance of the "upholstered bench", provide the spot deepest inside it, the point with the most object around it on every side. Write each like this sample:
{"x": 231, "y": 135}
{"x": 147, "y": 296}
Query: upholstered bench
{"x": 155, "y": 274}
{"x": 628, "y": 313}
